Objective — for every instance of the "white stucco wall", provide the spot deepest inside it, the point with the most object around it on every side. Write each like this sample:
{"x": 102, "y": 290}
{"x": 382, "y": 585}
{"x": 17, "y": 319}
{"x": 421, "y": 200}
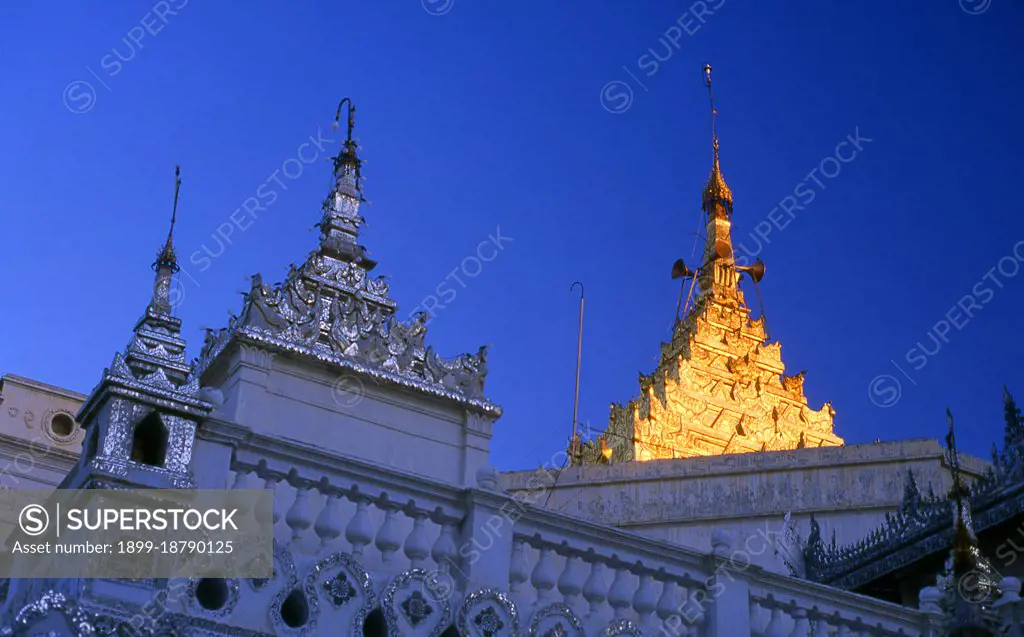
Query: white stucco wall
{"x": 849, "y": 489}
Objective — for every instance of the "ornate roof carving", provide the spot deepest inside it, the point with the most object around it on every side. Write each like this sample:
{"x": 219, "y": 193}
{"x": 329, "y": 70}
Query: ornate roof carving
{"x": 331, "y": 309}
{"x": 720, "y": 386}
{"x": 718, "y": 389}
{"x": 924, "y": 523}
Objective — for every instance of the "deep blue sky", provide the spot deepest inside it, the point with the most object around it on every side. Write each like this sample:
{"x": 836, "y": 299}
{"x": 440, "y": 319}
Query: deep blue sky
{"x": 490, "y": 116}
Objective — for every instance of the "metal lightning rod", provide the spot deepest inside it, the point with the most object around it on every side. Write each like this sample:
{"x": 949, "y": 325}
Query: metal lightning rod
{"x": 576, "y": 394}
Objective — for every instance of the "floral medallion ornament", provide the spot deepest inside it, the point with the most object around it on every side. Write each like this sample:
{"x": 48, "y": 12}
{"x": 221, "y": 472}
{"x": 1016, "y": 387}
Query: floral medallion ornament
{"x": 338, "y": 590}
{"x": 346, "y": 586}
{"x": 416, "y": 608}
{"x": 489, "y": 622}
{"x": 488, "y": 613}
{"x": 409, "y": 603}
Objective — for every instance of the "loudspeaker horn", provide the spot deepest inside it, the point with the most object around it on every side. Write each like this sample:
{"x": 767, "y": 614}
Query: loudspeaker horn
{"x": 679, "y": 270}
{"x": 755, "y": 271}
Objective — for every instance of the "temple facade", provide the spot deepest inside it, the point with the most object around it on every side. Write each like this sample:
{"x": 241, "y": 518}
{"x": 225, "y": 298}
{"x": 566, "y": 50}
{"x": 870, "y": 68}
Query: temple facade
{"x": 389, "y": 519}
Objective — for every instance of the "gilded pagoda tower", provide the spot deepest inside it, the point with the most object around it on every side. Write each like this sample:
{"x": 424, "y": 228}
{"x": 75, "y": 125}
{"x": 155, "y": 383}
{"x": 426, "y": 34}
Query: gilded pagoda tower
{"x": 720, "y": 386}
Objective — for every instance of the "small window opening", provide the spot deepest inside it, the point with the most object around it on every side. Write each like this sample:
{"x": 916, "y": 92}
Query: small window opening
{"x": 149, "y": 441}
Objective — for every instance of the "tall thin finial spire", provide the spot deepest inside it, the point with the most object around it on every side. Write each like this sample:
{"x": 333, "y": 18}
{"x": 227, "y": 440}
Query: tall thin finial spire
{"x": 351, "y": 117}
{"x": 714, "y": 113}
{"x": 716, "y": 189}
{"x": 347, "y": 163}
{"x": 166, "y": 256}
{"x": 166, "y": 264}
{"x": 575, "y": 440}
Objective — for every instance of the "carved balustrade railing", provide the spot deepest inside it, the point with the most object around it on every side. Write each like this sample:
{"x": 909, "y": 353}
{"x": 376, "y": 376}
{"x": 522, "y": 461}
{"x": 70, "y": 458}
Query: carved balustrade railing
{"x": 606, "y": 577}
{"x": 388, "y": 520}
{"x": 778, "y": 609}
{"x": 486, "y": 559}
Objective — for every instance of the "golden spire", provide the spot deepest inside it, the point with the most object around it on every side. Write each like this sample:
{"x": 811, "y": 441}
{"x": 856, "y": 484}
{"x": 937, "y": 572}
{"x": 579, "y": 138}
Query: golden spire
{"x": 716, "y": 190}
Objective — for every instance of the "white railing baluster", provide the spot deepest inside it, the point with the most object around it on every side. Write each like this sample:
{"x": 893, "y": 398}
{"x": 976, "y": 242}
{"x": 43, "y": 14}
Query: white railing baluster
{"x": 388, "y": 540}
{"x": 570, "y": 582}
{"x": 328, "y": 524}
{"x": 270, "y": 484}
{"x": 644, "y": 600}
{"x": 595, "y": 591}
{"x": 543, "y": 577}
{"x": 297, "y": 518}
{"x": 802, "y": 626}
{"x": 619, "y": 595}
{"x": 821, "y": 625}
{"x": 241, "y": 479}
{"x": 444, "y": 552}
{"x": 668, "y": 603}
{"x": 520, "y": 570}
{"x": 695, "y": 611}
{"x": 417, "y": 547}
{"x": 359, "y": 531}
{"x": 777, "y": 625}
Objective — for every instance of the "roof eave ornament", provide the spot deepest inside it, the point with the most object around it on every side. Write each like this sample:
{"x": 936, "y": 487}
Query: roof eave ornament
{"x": 966, "y": 557}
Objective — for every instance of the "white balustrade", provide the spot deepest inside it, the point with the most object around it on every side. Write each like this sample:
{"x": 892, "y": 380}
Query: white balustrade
{"x": 652, "y": 596}
{"x": 474, "y": 539}
{"x": 824, "y": 613}
{"x": 387, "y": 531}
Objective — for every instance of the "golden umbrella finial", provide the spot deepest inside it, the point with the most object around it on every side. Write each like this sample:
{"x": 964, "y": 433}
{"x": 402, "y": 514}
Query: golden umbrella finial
{"x": 716, "y": 189}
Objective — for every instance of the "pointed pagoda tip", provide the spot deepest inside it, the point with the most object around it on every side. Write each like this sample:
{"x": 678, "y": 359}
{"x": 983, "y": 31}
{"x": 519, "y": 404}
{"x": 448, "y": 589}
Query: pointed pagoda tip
{"x": 166, "y": 258}
{"x": 347, "y": 162}
{"x": 716, "y": 190}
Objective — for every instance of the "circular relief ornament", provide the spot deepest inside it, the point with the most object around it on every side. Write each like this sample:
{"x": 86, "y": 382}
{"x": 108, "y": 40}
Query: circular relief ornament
{"x": 60, "y": 426}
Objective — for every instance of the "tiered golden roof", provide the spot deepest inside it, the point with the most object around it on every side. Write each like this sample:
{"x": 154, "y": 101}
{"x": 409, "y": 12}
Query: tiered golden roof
{"x": 720, "y": 386}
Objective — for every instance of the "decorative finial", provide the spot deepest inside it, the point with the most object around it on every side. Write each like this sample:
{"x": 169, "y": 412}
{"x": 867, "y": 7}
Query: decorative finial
{"x": 351, "y": 117}
{"x": 716, "y": 189}
{"x": 714, "y": 113}
{"x": 347, "y": 160}
{"x": 954, "y": 461}
{"x": 166, "y": 257}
